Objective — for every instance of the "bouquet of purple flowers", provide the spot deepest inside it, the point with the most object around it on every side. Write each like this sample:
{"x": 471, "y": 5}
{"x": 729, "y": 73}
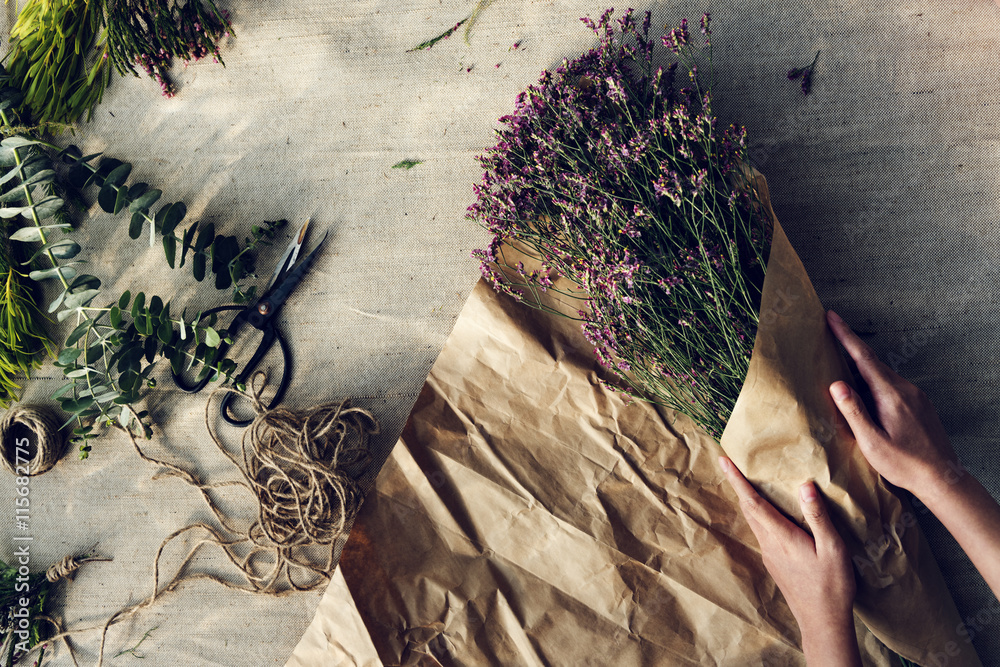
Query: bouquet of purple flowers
{"x": 608, "y": 177}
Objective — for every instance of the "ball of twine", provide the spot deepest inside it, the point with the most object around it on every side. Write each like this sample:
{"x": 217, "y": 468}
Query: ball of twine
{"x": 38, "y": 425}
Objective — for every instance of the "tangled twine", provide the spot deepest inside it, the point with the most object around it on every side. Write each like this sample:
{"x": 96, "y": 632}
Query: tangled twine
{"x": 48, "y": 439}
{"x": 296, "y": 464}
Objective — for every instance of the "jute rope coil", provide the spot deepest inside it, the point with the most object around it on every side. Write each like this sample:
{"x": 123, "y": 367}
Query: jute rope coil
{"x": 45, "y": 430}
{"x": 296, "y": 464}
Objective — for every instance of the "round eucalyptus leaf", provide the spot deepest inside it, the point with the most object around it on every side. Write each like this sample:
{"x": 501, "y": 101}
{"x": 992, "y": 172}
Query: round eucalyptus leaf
{"x": 67, "y": 272}
{"x": 212, "y": 338}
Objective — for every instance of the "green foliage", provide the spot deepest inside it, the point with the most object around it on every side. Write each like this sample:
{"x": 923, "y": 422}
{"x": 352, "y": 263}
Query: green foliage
{"x": 34, "y": 589}
{"x": 52, "y": 41}
{"x": 62, "y": 51}
{"x": 109, "y": 355}
{"x": 23, "y": 341}
{"x": 407, "y": 164}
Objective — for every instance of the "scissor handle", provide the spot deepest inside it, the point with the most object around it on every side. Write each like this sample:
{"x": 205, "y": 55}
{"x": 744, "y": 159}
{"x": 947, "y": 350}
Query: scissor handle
{"x": 270, "y": 334}
{"x": 220, "y": 355}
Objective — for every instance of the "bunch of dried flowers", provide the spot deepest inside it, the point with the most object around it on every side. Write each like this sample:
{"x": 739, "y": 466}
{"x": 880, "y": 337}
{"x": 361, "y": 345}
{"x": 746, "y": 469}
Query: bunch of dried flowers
{"x": 608, "y": 177}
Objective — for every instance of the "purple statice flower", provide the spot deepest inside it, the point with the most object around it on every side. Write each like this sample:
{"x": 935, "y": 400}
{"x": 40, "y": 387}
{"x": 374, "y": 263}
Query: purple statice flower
{"x": 677, "y": 38}
{"x": 804, "y": 73}
{"x": 610, "y": 178}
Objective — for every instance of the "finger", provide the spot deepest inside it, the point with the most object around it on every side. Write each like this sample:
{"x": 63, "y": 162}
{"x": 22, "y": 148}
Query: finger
{"x": 854, "y": 411}
{"x": 760, "y": 514}
{"x": 816, "y": 515}
{"x": 878, "y": 376}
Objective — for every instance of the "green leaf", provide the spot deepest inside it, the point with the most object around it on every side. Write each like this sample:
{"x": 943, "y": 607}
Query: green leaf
{"x": 67, "y": 272}
{"x": 61, "y": 249}
{"x": 80, "y": 372}
{"x": 407, "y": 164}
{"x": 125, "y": 299}
{"x": 39, "y": 178}
{"x": 85, "y": 281}
{"x": 135, "y": 191}
{"x": 17, "y": 142}
{"x": 135, "y": 226}
{"x": 43, "y": 209}
{"x": 32, "y": 234}
{"x": 115, "y": 317}
{"x": 224, "y": 250}
{"x": 169, "y": 216}
{"x": 130, "y": 361}
{"x": 165, "y": 331}
{"x": 155, "y": 305}
{"x": 137, "y": 305}
{"x": 188, "y": 237}
{"x": 205, "y": 237}
{"x": 212, "y": 338}
{"x": 78, "y": 299}
{"x": 63, "y": 389}
{"x": 77, "y": 406}
{"x": 199, "y": 267}
{"x": 27, "y": 234}
{"x": 147, "y": 199}
{"x": 57, "y": 301}
{"x": 79, "y": 332}
{"x": 170, "y": 249}
{"x": 94, "y": 352}
{"x": 150, "y": 347}
{"x": 12, "y": 212}
{"x": 118, "y": 175}
{"x": 110, "y": 195}
{"x": 12, "y": 173}
{"x": 68, "y": 355}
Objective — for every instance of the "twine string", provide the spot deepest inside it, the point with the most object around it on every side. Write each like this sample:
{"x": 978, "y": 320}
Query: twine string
{"x": 48, "y": 436}
{"x": 296, "y": 464}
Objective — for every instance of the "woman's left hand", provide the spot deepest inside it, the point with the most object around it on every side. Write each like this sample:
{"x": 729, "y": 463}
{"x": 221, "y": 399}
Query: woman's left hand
{"x": 813, "y": 572}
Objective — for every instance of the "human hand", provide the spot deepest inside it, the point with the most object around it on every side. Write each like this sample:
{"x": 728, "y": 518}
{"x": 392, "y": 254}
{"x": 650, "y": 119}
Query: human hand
{"x": 907, "y": 445}
{"x": 813, "y": 572}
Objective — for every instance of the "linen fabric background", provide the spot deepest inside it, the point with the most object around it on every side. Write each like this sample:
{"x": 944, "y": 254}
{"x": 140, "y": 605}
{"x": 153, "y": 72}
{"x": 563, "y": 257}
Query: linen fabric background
{"x": 885, "y": 177}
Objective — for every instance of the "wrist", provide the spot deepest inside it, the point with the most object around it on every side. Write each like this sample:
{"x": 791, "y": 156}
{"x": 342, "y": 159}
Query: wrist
{"x": 830, "y": 640}
{"x": 943, "y": 485}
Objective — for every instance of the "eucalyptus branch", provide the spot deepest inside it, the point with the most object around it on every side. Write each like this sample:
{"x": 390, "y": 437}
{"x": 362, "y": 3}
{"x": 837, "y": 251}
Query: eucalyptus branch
{"x": 109, "y": 356}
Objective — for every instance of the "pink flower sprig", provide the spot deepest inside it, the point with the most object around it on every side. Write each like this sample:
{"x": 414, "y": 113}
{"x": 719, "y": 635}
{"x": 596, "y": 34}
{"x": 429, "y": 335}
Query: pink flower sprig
{"x": 625, "y": 188}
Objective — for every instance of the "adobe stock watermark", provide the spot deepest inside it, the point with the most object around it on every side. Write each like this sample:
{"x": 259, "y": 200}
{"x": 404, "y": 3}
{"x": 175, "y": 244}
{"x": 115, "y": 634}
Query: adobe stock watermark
{"x": 21, "y": 622}
{"x": 967, "y": 630}
{"x": 780, "y": 129}
{"x": 914, "y": 342}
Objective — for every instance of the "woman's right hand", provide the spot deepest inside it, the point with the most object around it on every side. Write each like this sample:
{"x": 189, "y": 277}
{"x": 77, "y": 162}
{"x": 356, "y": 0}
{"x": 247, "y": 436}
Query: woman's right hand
{"x": 907, "y": 444}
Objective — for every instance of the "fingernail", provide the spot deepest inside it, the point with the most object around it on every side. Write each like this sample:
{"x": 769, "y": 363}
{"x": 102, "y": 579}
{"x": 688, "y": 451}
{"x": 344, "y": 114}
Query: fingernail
{"x": 834, "y": 316}
{"x": 808, "y": 492}
{"x": 724, "y": 463}
{"x": 840, "y": 391}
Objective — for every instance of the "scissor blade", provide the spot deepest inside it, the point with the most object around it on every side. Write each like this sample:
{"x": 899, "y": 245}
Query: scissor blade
{"x": 288, "y": 258}
{"x": 280, "y": 293}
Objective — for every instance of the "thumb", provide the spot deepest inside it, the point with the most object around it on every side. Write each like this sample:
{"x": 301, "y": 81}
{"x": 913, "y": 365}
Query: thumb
{"x": 814, "y": 511}
{"x": 850, "y": 405}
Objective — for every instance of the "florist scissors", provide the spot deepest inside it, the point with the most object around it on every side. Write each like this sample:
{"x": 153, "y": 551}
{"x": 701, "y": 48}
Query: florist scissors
{"x": 260, "y": 315}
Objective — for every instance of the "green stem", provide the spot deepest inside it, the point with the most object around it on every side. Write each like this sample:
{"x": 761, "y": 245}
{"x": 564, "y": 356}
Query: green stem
{"x": 34, "y": 215}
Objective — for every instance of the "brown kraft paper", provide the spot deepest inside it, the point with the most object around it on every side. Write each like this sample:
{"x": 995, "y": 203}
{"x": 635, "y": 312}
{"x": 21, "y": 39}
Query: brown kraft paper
{"x": 529, "y": 515}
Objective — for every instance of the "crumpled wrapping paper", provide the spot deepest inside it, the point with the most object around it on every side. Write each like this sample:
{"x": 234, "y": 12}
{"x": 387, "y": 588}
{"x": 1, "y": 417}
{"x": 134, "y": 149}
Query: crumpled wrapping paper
{"x": 530, "y": 515}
